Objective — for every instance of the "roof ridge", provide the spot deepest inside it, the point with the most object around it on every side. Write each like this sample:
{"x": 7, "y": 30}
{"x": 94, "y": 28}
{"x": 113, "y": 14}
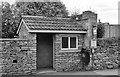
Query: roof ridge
{"x": 44, "y": 17}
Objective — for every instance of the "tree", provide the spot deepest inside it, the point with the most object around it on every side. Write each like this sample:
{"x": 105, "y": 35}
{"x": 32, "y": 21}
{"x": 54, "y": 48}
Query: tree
{"x": 49, "y": 9}
{"x": 8, "y": 22}
{"x": 100, "y": 30}
{"x": 12, "y": 14}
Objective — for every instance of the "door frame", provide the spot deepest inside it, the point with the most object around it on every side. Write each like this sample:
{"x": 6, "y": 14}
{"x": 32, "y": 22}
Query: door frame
{"x": 53, "y": 52}
{"x": 53, "y": 35}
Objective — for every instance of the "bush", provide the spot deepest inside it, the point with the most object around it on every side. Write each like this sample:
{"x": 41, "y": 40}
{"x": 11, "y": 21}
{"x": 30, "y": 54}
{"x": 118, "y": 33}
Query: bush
{"x": 108, "y": 42}
{"x": 100, "y": 30}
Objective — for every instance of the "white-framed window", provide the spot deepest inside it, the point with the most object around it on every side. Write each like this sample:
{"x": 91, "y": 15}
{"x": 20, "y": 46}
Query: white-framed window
{"x": 69, "y": 42}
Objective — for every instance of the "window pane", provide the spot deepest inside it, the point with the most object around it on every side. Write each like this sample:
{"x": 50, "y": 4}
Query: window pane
{"x": 64, "y": 42}
{"x": 72, "y": 42}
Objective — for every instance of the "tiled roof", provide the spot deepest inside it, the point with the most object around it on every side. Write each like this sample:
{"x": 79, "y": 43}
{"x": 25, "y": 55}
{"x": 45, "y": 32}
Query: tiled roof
{"x": 51, "y": 23}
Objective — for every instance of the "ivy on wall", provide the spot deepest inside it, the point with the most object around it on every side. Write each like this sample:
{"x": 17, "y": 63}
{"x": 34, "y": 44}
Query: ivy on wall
{"x": 100, "y": 30}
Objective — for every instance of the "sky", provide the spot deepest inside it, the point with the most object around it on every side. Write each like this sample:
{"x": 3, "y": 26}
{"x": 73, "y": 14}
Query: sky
{"x": 107, "y": 10}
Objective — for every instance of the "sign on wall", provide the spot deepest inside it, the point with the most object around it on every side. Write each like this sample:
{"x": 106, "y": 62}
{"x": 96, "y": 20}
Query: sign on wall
{"x": 93, "y": 43}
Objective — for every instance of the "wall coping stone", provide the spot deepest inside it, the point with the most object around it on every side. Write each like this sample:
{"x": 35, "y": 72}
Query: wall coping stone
{"x": 7, "y": 39}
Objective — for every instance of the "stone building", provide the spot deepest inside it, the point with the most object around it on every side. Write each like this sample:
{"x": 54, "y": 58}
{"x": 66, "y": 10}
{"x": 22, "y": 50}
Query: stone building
{"x": 58, "y": 40}
{"x": 47, "y": 43}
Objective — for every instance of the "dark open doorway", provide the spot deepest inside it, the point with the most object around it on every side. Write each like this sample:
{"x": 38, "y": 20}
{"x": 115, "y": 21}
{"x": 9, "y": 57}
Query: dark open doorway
{"x": 44, "y": 51}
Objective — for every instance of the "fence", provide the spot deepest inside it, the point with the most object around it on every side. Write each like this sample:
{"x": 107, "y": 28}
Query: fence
{"x": 111, "y": 30}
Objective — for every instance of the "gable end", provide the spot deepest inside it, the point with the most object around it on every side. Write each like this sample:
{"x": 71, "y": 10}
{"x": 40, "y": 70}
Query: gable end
{"x": 21, "y": 24}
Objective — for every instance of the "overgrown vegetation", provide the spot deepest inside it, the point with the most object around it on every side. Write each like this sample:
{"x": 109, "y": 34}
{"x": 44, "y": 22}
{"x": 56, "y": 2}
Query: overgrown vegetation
{"x": 49, "y": 9}
{"x": 12, "y": 14}
{"x": 108, "y": 42}
{"x": 9, "y": 24}
{"x": 100, "y": 30}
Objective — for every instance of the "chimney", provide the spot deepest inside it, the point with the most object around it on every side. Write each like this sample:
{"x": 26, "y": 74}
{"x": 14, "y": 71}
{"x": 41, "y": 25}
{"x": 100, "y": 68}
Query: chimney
{"x": 89, "y": 15}
{"x": 90, "y": 19}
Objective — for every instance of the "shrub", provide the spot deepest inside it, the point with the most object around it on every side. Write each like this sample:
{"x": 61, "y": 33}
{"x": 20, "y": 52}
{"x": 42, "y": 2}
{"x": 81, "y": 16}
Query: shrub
{"x": 100, "y": 30}
{"x": 108, "y": 42}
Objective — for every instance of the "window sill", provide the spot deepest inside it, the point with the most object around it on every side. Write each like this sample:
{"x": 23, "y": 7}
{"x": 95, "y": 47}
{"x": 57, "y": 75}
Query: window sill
{"x": 69, "y": 50}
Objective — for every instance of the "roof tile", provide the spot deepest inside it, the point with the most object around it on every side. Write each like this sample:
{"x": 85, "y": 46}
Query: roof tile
{"x": 52, "y": 23}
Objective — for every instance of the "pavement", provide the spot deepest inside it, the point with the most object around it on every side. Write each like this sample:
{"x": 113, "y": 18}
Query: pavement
{"x": 108, "y": 72}
{"x": 96, "y": 72}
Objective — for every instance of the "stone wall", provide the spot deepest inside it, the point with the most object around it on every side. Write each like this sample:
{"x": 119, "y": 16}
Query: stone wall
{"x": 68, "y": 60}
{"x": 18, "y": 56}
{"x": 106, "y": 54}
{"x": 1, "y": 59}
{"x": 24, "y": 34}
